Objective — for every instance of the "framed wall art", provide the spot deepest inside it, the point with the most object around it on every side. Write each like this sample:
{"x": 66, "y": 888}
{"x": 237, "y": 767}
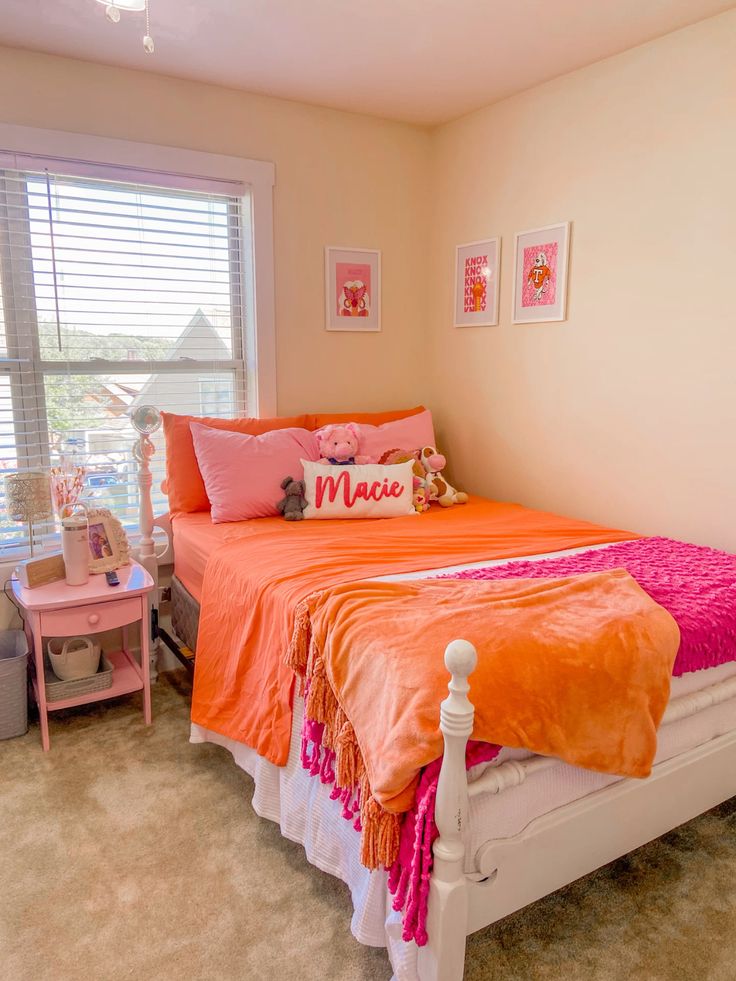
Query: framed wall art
{"x": 540, "y": 274}
{"x": 476, "y": 283}
{"x": 352, "y": 289}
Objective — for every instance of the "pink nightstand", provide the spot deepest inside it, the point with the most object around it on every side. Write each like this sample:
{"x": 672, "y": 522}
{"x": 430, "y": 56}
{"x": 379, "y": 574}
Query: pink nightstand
{"x": 58, "y": 610}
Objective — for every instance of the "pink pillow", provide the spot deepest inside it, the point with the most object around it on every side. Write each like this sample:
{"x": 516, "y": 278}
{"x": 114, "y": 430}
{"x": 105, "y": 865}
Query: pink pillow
{"x": 365, "y": 490}
{"x": 242, "y": 474}
{"x": 403, "y": 434}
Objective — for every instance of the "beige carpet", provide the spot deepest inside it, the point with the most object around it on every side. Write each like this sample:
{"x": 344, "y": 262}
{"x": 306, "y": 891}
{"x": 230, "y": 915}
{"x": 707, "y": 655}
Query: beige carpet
{"x": 126, "y": 853}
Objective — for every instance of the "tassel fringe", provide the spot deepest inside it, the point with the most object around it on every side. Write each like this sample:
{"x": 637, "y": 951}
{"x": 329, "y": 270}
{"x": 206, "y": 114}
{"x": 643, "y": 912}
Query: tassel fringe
{"x": 298, "y": 650}
{"x": 337, "y": 755}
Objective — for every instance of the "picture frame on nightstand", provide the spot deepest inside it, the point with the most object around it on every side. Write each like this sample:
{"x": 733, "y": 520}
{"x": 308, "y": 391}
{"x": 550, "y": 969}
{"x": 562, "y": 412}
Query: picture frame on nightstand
{"x": 109, "y": 548}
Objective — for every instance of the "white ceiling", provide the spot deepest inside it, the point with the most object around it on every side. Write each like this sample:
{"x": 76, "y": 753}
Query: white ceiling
{"x": 422, "y": 61}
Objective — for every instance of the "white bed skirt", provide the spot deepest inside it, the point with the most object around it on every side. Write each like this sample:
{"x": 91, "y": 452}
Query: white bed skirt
{"x": 301, "y": 806}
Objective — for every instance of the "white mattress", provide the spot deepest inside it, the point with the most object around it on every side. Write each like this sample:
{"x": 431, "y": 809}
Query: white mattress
{"x": 302, "y": 807}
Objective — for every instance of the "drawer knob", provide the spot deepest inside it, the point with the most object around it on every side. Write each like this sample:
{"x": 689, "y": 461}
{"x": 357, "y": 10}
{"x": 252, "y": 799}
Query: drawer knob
{"x": 94, "y": 618}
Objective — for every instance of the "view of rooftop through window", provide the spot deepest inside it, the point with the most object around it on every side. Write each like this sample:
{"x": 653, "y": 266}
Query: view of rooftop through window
{"x": 114, "y": 295}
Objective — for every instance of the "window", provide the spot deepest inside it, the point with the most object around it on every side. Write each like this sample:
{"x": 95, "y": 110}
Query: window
{"x": 114, "y": 294}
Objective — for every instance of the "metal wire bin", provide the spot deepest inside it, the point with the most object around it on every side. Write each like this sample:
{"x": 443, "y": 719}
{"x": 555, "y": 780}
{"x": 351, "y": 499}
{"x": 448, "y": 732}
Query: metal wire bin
{"x": 13, "y": 683}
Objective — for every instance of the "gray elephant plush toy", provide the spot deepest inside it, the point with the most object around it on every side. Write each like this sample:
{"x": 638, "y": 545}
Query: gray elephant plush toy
{"x": 292, "y": 505}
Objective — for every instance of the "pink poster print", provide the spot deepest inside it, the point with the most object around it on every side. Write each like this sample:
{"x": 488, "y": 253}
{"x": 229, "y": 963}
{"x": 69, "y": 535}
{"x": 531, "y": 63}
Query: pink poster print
{"x": 475, "y": 284}
{"x": 353, "y": 289}
{"x": 539, "y": 283}
{"x": 540, "y": 274}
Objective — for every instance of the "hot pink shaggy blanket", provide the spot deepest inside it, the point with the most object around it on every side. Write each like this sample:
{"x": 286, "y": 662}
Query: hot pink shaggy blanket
{"x": 697, "y": 585}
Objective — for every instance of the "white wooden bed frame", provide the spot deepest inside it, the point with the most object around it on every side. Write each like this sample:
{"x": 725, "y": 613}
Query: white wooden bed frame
{"x": 556, "y": 848}
{"x": 562, "y": 845}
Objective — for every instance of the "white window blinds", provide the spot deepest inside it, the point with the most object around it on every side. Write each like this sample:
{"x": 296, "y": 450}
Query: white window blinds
{"x": 114, "y": 295}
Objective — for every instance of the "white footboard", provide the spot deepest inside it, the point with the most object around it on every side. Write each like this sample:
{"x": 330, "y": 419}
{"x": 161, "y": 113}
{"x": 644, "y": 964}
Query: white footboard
{"x": 443, "y": 958}
{"x": 566, "y": 843}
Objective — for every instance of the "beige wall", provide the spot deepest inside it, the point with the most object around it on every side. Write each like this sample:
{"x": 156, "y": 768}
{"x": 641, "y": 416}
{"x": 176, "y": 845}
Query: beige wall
{"x": 341, "y": 179}
{"x": 626, "y": 413}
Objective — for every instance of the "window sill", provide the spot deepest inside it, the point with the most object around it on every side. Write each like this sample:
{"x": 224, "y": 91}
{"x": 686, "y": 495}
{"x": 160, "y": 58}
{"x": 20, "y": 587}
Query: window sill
{"x": 11, "y": 555}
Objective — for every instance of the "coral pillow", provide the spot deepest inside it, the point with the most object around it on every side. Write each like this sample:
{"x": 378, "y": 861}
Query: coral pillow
{"x": 404, "y": 434}
{"x": 364, "y": 491}
{"x": 242, "y": 474}
{"x": 320, "y": 419}
{"x": 184, "y": 485}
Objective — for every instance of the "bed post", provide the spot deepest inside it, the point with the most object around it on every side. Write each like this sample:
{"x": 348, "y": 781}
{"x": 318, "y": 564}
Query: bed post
{"x": 443, "y": 957}
{"x": 143, "y": 450}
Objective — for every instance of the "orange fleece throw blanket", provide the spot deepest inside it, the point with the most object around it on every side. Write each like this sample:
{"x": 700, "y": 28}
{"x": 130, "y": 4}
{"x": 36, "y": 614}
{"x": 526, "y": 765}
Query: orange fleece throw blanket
{"x": 577, "y": 668}
{"x": 252, "y": 585}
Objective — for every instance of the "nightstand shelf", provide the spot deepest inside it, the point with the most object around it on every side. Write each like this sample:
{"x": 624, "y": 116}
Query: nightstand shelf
{"x": 127, "y": 678}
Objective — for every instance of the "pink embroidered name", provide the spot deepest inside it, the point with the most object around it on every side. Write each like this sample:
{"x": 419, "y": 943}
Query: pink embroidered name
{"x": 363, "y": 491}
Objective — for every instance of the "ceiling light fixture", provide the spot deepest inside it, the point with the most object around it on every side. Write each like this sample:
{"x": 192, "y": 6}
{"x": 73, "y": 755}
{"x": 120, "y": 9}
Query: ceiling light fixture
{"x": 112, "y": 12}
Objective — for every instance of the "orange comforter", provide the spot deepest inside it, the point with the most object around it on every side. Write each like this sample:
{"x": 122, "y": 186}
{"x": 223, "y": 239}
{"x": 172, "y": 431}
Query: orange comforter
{"x": 252, "y": 585}
{"x": 578, "y": 668}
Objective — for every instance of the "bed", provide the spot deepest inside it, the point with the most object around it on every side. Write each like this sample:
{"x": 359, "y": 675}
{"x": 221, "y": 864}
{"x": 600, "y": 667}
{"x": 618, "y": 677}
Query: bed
{"x": 511, "y": 830}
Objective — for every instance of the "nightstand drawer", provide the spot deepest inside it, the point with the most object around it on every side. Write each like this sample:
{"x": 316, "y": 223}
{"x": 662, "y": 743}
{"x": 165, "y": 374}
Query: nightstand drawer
{"x": 90, "y": 619}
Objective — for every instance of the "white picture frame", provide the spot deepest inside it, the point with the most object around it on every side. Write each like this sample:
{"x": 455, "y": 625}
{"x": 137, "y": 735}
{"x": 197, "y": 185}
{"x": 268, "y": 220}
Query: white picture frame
{"x": 542, "y": 253}
{"x": 109, "y": 548}
{"x": 477, "y": 267}
{"x": 352, "y": 289}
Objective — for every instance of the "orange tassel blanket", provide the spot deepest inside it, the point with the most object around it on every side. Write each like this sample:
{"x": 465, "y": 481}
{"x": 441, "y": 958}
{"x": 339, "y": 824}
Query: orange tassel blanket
{"x": 578, "y": 668}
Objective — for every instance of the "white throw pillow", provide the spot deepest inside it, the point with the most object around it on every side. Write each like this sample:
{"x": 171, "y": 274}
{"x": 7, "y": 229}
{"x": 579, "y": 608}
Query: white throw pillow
{"x": 366, "y": 490}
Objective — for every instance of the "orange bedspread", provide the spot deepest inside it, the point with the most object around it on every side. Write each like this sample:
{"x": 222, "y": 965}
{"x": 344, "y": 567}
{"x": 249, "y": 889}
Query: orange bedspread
{"x": 242, "y": 687}
{"x": 577, "y": 668}
{"x": 195, "y": 539}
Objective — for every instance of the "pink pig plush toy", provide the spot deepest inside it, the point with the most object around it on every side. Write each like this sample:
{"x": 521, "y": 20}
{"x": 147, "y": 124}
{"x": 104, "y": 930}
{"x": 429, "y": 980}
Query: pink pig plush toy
{"x": 339, "y": 445}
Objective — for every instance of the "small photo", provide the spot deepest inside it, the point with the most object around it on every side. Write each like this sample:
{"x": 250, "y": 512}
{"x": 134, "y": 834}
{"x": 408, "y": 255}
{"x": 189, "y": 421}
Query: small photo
{"x": 99, "y": 543}
{"x": 540, "y": 274}
{"x": 352, "y": 289}
{"x": 476, "y": 283}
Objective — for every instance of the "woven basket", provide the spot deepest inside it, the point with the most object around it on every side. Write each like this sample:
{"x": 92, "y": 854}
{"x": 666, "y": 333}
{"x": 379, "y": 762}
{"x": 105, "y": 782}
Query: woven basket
{"x": 57, "y": 691}
{"x": 73, "y": 658}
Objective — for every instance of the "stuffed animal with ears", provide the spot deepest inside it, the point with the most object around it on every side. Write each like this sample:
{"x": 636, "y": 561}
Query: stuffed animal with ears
{"x": 402, "y": 456}
{"x": 293, "y": 503}
{"x": 440, "y": 489}
{"x": 339, "y": 445}
{"x": 420, "y": 477}
{"x": 428, "y": 477}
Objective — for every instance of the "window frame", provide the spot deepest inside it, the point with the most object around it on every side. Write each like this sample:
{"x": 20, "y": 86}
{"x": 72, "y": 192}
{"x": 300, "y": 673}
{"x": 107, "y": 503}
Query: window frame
{"x": 173, "y": 167}
{"x": 28, "y": 374}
